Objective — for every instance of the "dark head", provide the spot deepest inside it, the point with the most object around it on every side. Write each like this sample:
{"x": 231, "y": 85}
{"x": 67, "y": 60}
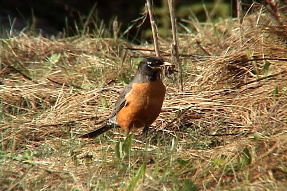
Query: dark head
{"x": 150, "y": 69}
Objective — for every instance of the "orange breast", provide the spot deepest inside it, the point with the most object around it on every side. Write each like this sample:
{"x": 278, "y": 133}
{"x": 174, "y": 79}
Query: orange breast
{"x": 143, "y": 106}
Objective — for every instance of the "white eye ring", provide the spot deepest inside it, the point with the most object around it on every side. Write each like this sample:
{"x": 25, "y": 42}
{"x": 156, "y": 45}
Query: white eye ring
{"x": 149, "y": 63}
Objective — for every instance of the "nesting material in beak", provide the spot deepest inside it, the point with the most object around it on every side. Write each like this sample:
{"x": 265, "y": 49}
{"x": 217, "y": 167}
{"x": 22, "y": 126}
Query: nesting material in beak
{"x": 168, "y": 68}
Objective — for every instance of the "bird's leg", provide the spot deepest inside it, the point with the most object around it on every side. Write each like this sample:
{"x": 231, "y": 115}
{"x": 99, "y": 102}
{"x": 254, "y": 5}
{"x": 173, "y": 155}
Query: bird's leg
{"x": 145, "y": 130}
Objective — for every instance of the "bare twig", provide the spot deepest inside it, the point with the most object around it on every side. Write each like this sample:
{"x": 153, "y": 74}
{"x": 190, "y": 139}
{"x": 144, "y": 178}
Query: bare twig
{"x": 116, "y": 28}
{"x": 273, "y": 9}
{"x": 239, "y": 11}
{"x": 240, "y": 18}
{"x": 202, "y": 48}
{"x": 230, "y": 90}
{"x": 174, "y": 46}
{"x": 153, "y": 28}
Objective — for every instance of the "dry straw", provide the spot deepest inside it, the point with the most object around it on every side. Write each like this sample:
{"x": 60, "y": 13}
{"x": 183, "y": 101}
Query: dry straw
{"x": 233, "y": 93}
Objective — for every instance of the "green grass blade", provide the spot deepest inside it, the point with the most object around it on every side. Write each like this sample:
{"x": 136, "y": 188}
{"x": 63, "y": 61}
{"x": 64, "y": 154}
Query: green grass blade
{"x": 137, "y": 177}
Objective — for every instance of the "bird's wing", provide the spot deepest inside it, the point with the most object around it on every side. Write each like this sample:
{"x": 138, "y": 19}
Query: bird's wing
{"x": 121, "y": 102}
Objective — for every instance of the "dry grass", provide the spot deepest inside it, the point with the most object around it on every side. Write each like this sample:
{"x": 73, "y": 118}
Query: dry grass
{"x": 225, "y": 131}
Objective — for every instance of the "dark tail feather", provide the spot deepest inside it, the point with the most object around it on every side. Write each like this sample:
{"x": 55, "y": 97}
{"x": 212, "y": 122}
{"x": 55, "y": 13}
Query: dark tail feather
{"x": 99, "y": 131}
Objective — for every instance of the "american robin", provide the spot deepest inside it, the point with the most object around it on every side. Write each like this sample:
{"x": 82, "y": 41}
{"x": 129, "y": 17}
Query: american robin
{"x": 140, "y": 102}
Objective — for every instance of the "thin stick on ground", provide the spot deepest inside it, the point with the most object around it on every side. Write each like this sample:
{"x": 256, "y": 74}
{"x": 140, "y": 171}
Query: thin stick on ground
{"x": 153, "y": 28}
{"x": 174, "y": 45}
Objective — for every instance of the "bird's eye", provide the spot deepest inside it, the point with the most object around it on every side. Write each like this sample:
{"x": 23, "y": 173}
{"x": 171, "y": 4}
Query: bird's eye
{"x": 150, "y": 64}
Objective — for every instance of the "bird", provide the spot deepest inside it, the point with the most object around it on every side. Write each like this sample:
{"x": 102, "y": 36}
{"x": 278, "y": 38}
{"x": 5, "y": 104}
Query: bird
{"x": 140, "y": 102}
